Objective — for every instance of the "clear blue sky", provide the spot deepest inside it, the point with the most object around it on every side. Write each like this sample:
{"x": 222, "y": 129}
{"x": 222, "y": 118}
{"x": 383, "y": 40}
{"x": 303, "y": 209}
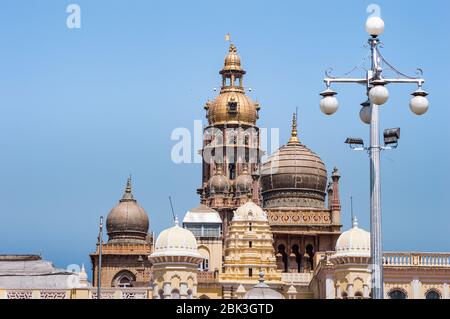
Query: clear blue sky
{"x": 82, "y": 109}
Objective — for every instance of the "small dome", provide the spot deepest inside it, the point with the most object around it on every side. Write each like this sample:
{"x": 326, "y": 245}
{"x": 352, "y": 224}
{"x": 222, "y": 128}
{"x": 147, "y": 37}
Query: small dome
{"x": 262, "y": 291}
{"x": 219, "y": 183}
{"x": 176, "y": 241}
{"x": 244, "y": 182}
{"x": 127, "y": 222}
{"x": 250, "y": 211}
{"x": 353, "y": 243}
{"x": 232, "y": 60}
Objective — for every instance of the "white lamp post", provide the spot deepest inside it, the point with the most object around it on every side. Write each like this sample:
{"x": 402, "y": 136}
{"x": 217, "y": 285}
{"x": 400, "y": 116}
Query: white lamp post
{"x": 378, "y": 94}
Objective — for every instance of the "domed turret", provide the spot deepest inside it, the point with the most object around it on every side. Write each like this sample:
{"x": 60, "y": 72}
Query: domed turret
{"x": 219, "y": 183}
{"x": 127, "y": 222}
{"x": 294, "y": 176}
{"x": 232, "y": 106}
{"x": 353, "y": 244}
{"x": 244, "y": 182}
{"x": 176, "y": 242}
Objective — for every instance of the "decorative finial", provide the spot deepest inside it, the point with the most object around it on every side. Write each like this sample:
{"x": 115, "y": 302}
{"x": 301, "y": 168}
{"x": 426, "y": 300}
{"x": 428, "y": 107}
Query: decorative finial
{"x": 261, "y": 277}
{"x": 177, "y": 223}
{"x": 335, "y": 171}
{"x": 294, "y": 138}
{"x": 355, "y": 222}
{"x": 128, "y": 195}
{"x": 219, "y": 169}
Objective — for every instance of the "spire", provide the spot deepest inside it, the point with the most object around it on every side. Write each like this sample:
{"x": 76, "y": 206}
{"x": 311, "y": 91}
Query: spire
{"x": 127, "y": 195}
{"x": 294, "y": 138}
{"x": 219, "y": 169}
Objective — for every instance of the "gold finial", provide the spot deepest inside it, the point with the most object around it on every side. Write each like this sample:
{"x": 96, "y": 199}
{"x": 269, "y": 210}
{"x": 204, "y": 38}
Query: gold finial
{"x": 294, "y": 138}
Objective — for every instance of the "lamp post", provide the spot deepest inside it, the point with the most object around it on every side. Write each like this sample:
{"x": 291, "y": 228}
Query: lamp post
{"x": 377, "y": 94}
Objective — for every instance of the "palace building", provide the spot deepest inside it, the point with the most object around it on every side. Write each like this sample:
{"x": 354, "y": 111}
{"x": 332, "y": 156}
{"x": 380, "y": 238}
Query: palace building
{"x": 261, "y": 230}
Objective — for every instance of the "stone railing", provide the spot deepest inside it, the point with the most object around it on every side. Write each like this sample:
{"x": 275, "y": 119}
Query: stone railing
{"x": 120, "y": 293}
{"x": 35, "y": 294}
{"x": 413, "y": 259}
{"x": 299, "y": 278}
{"x": 87, "y": 293}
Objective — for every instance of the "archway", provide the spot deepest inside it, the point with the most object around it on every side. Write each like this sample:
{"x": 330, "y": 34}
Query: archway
{"x": 124, "y": 279}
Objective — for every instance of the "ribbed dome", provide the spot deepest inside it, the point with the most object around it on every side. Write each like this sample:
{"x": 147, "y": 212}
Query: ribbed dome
{"x": 232, "y": 107}
{"x": 244, "y": 182}
{"x": 176, "y": 242}
{"x": 219, "y": 183}
{"x": 294, "y": 176}
{"x": 250, "y": 211}
{"x": 127, "y": 222}
{"x": 232, "y": 60}
{"x": 353, "y": 243}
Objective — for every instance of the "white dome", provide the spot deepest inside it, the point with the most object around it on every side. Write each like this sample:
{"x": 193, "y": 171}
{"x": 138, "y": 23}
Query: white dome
{"x": 176, "y": 241}
{"x": 353, "y": 243}
{"x": 250, "y": 211}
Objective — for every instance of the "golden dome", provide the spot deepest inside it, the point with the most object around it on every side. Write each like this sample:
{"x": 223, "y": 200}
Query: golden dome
{"x": 232, "y": 106}
{"x": 232, "y": 60}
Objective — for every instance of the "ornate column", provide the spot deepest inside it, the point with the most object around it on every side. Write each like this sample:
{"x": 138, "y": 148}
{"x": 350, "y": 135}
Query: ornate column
{"x": 329, "y": 287}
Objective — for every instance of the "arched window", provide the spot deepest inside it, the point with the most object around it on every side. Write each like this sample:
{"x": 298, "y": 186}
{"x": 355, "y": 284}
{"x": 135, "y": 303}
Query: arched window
{"x": 298, "y": 257}
{"x": 249, "y": 226}
{"x": 397, "y": 294}
{"x": 284, "y": 259}
{"x": 432, "y": 294}
{"x": 123, "y": 279}
{"x": 204, "y": 265}
{"x": 175, "y": 294}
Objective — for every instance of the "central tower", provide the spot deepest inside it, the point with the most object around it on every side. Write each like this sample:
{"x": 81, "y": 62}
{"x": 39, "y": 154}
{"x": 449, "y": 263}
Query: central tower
{"x": 231, "y": 153}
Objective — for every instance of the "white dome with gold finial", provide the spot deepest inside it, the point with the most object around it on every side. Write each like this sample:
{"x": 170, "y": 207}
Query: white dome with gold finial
{"x": 353, "y": 243}
{"x": 176, "y": 242}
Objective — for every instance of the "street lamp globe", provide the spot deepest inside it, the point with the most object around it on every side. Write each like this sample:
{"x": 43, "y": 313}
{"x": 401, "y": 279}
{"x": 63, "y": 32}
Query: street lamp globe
{"x": 378, "y": 94}
{"x": 365, "y": 113}
{"x": 419, "y": 103}
{"x": 374, "y": 26}
{"x": 329, "y": 103}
